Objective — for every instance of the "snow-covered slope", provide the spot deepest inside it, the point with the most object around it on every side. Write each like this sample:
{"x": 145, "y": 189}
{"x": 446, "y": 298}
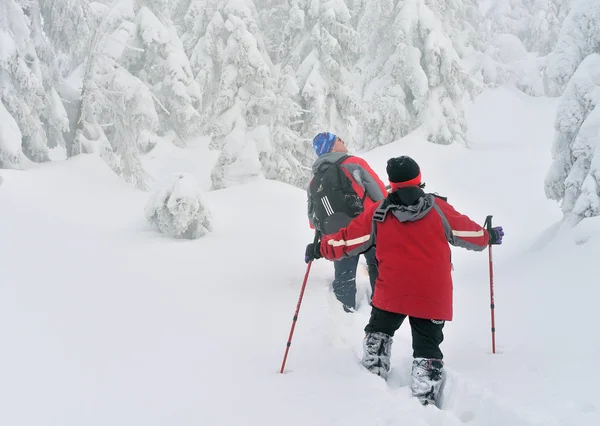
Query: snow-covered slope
{"x": 105, "y": 322}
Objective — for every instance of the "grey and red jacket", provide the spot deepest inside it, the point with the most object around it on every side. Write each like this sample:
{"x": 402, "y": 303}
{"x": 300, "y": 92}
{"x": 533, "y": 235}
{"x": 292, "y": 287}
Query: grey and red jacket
{"x": 364, "y": 179}
{"x": 412, "y": 231}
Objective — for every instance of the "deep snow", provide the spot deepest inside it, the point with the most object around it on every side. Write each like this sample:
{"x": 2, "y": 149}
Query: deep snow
{"x": 105, "y": 322}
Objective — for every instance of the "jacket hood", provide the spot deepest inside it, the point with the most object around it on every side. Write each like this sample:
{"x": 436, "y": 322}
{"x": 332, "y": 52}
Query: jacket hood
{"x": 330, "y": 157}
{"x": 410, "y": 203}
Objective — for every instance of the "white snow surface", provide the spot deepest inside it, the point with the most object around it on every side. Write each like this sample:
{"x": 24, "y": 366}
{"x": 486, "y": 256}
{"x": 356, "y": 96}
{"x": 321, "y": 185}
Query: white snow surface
{"x": 103, "y": 321}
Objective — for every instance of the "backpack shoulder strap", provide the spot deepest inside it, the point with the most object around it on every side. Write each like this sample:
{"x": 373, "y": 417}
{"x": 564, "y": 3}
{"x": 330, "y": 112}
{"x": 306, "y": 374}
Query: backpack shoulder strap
{"x": 324, "y": 166}
{"x": 342, "y": 158}
{"x": 364, "y": 197}
{"x": 383, "y": 209}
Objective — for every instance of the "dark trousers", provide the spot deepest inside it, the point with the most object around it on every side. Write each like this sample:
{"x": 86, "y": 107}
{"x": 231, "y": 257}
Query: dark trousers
{"x": 427, "y": 335}
{"x": 344, "y": 283}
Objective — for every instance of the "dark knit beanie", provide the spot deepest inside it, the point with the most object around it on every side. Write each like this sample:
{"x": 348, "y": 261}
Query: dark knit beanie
{"x": 403, "y": 169}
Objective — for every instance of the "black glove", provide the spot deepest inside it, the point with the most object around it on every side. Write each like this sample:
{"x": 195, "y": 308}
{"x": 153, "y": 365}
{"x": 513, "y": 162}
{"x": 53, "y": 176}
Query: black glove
{"x": 313, "y": 251}
{"x": 496, "y": 235}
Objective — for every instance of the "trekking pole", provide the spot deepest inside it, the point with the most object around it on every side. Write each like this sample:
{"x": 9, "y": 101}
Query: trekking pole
{"x": 289, "y": 342}
{"x": 488, "y": 225}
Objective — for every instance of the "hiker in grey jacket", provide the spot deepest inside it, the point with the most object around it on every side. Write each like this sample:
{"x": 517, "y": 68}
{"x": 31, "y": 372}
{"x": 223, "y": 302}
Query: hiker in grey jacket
{"x": 368, "y": 187}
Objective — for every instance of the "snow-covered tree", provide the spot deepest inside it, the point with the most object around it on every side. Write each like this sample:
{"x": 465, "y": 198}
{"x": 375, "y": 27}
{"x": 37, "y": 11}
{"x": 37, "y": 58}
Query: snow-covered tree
{"x": 67, "y": 28}
{"x": 117, "y": 115}
{"x": 543, "y": 27}
{"x": 579, "y": 37}
{"x": 519, "y": 36}
{"x": 132, "y": 114}
{"x": 28, "y": 79}
{"x": 506, "y": 17}
{"x": 10, "y": 140}
{"x": 383, "y": 97}
{"x": 272, "y": 17}
{"x": 563, "y": 7}
{"x": 411, "y": 74}
{"x": 287, "y": 156}
{"x": 535, "y": 22}
{"x": 506, "y": 61}
{"x": 247, "y": 104}
{"x": 203, "y": 36}
{"x": 243, "y": 99}
{"x": 574, "y": 177}
{"x": 179, "y": 209}
{"x": 321, "y": 46}
{"x": 461, "y": 21}
{"x": 158, "y": 59}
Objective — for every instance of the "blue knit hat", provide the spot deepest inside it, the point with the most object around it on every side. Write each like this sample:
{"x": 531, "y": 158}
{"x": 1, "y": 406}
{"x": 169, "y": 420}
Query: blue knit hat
{"x": 323, "y": 143}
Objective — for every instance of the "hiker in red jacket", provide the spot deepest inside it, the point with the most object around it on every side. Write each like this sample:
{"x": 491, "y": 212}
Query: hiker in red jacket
{"x": 412, "y": 230}
{"x": 343, "y": 186}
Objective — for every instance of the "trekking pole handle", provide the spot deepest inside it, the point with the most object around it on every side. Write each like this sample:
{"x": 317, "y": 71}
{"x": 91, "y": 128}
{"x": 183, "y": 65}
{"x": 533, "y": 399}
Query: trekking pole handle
{"x": 317, "y": 242}
{"x": 317, "y": 237}
{"x": 488, "y": 223}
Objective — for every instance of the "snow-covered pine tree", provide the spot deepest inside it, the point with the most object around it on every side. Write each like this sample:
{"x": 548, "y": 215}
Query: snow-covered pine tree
{"x": 579, "y": 37}
{"x": 321, "y": 46}
{"x": 563, "y": 7}
{"x": 129, "y": 108}
{"x": 10, "y": 137}
{"x": 239, "y": 114}
{"x": 203, "y": 37}
{"x": 247, "y": 104}
{"x": 507, "y": 17}
{"x": 68, "y": 31}
{"x": 543, "y": 27}
{"x": 66, "y": 27}
{"x": 383, "y": 96}
{"x": 288, "y": 156}
{"x": 520, "y": 34}
{"x": 85, "y": 97}
{"x": 117, "y": 115}
{"x": 28, "y": 76}
{"x": 507, "y": 61}
{"x": 159, "y": 60}
{"x": 272, "y": 17}
{"x": 411, "y": 76}
{"x": 574, "y": 177}
{"x": 461, "y": 21}
{"x": 54, "y": 116}
{"x": 535, "y": 22}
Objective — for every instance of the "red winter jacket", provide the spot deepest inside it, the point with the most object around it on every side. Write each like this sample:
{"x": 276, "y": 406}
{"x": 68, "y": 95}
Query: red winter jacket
{"x": 363, "y": 178}
{"x": 411, "y": 230}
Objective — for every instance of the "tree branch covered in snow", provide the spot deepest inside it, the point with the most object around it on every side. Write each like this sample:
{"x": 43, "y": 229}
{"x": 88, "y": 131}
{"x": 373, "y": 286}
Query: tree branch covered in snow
{"x": 574, "y": 177}
{"x": 579, "y": 37}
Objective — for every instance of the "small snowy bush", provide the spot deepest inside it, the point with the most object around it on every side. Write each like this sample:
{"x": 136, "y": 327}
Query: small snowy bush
{"x": 179, "y": 209}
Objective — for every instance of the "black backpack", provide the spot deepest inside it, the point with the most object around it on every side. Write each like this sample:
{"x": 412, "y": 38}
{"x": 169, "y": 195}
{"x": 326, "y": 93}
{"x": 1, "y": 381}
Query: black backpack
{"x": 334, "y": 201}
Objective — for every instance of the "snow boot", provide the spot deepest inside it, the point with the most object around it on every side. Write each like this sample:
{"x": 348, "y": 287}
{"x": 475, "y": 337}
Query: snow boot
{"x": 377, "y": 351}
{"x": 427, "y": 375}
